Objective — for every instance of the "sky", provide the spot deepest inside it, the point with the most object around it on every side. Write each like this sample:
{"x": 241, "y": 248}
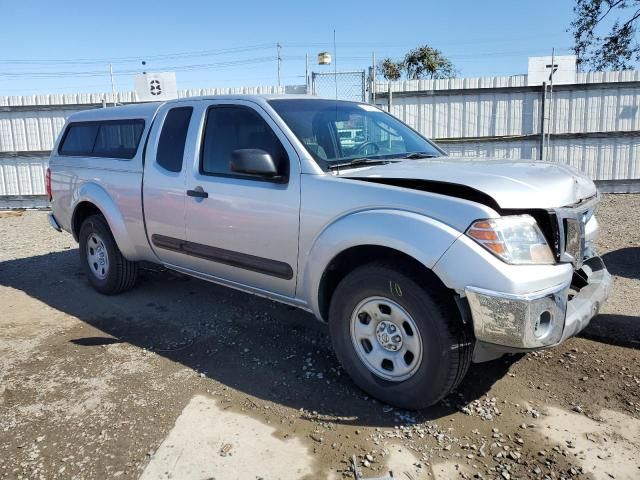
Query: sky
{"x": 65, "y": 47}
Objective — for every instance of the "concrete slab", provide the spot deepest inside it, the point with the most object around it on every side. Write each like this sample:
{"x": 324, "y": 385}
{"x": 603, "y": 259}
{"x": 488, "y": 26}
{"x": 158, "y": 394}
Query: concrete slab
{"x": 208, "y": 442}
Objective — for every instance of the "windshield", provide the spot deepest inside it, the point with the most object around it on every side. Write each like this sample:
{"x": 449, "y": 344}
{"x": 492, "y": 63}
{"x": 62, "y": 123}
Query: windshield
{"x": 339, "y": 133}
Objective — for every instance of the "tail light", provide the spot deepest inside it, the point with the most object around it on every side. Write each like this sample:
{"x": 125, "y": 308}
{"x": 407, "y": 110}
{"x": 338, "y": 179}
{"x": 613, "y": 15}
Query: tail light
{"x": 47, "y": 184}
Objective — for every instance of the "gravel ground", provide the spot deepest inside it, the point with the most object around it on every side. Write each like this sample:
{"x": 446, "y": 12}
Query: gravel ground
{"x": 92, "y": 386}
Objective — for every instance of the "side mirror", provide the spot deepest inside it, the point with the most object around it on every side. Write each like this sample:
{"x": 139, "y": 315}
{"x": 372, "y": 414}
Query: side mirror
{"x": 253, "y": 161}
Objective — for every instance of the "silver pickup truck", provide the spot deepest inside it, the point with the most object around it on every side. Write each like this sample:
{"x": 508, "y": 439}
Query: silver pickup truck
{"x": 419, "y": 263}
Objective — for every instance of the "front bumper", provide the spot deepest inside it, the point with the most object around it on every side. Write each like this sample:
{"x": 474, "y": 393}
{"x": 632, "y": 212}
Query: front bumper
{"x": 506, "y": 323}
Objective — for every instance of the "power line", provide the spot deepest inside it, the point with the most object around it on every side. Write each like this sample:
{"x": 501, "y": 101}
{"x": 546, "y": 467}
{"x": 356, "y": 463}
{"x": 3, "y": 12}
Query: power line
{"x": 100, "y": 73}
{"x": 454, "y": 55}
{"x": 136, "y": 58}
{"x": 441, "y": 44}
{"x": 223, "y": 64}
{"x": 225, "y": 51}
{"x": 11, "y": 70}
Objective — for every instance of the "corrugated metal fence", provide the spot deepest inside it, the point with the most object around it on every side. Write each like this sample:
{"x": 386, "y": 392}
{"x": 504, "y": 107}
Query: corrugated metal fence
{"x": 29, "y": 126}
{"x": 594, "y": 125}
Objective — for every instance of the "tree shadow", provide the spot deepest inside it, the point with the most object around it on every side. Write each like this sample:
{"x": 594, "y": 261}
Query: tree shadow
{"x": 253, "y": 345}
{"x": 624, "y": 262}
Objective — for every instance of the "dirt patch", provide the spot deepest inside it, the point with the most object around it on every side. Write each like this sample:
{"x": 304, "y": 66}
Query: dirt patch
{"x": 11, "y": 213}
{"x": 93, "y": 386}
{"x": 608, "y": 447}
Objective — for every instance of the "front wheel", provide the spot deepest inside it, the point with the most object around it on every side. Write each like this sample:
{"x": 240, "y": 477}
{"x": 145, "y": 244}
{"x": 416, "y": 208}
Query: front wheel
{"x": 107, "y": 269}
{"x": 399, "y": 338}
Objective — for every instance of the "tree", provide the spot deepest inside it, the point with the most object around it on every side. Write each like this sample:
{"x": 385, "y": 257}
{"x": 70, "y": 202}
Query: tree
{"x": 428, "y": 62}
{"x": 418, "y": 63}
{"x": 389, "y": 69}
{"x": 618, "y": 48}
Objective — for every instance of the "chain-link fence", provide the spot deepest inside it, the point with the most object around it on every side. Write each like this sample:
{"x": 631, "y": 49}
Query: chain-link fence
{"x": 340, "y": 85}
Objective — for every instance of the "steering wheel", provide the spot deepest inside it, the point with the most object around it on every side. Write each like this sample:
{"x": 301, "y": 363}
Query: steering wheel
{"x": 360, "y": 148}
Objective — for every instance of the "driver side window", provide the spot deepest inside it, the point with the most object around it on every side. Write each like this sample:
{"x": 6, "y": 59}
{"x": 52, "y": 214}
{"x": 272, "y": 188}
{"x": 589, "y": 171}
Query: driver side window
{"x": 234, "y": 127}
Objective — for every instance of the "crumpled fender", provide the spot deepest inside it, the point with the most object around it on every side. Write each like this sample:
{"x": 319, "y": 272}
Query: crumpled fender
{"x": 418, "y": 236}
{"x": 95, "y": 194}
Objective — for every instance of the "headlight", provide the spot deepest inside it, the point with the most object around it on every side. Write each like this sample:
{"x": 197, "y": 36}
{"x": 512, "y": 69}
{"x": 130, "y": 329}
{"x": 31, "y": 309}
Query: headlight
{"x": 516, "y": 239}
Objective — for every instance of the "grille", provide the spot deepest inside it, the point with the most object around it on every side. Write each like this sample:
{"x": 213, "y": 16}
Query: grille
{"x": 571, "y": 223}
{"x": 574, "y": 237}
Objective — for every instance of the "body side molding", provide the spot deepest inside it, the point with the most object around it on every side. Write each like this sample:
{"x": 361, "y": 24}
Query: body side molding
{"x": 266, "y": 266}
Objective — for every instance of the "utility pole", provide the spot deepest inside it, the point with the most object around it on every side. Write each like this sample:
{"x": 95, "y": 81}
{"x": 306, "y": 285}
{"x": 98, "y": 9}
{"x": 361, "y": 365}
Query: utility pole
{"x": 279, "y": 61}
{"x": 551, "y": 109}
{"x": 335, "y": 63}
{"x": 543, "y": 119}
{"x": 306, "y": 73}
{"x": 373, "y": 77}
{"x": 113, "y": 89}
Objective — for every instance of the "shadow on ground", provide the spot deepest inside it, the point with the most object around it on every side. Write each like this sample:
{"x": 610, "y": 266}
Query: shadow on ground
{"x": 95, "y": 341}
{"x": 614, "y": 329}
{"x": 245, "y": 342}
{"x": 620, "y": 330}
{"x": 624, "y": 262}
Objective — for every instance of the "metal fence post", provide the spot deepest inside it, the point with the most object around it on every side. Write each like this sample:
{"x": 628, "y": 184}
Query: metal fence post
{"x": 373, "y": 78}
{"x": 389, "y": 97}
{"x": 543, "y": 115}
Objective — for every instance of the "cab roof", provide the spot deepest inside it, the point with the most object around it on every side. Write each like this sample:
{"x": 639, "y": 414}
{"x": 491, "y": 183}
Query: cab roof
{"x": 147, "y": 111}
{"x": 144, "y": 111}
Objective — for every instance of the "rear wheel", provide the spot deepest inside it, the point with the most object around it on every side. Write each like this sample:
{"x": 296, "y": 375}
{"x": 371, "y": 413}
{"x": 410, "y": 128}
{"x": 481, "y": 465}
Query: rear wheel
{"x": 107, "y": 269}
{"x": 400, "y": 338}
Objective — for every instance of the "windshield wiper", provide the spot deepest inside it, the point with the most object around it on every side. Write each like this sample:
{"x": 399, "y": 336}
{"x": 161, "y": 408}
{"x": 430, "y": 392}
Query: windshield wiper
{"x": 360, "y": 161}
{"x": 419, "y": 155}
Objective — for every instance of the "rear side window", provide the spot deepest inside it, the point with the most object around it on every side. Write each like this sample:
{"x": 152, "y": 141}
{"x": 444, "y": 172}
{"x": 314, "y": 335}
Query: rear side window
{"x": 118, "y": 140}
{"x": 111, "y": 138}
{"x": 173, "y": 138}
{"x": 79, "y": 139}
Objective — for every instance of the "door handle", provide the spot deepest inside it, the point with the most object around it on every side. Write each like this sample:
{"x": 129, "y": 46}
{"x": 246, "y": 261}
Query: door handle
{"x": 197, "y": 192}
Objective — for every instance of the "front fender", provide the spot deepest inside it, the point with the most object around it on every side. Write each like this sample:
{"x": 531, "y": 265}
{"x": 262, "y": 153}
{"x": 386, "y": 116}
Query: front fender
{"x": 98, "y": 196}
{"x": 418, "y": 236}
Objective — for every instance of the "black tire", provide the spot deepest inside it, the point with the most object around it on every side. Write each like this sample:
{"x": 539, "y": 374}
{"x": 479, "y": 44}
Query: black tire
{"x": 447, "y": 342}
{"x": 121, "y": 274}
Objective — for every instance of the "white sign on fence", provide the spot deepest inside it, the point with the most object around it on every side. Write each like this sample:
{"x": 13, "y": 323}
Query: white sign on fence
{"x": 564, "y": 69}
{"x": 154, "y": 87}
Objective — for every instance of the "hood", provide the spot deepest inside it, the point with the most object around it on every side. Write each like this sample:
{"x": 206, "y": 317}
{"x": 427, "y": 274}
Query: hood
{"x": 511, "y": 184}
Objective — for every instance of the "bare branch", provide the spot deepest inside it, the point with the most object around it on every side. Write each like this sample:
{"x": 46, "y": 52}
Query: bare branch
{"x": 617, "y": 49}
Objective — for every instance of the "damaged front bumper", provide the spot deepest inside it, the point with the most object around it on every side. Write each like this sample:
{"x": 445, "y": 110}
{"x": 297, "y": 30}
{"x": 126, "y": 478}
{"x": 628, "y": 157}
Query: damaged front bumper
{"x": 508, "y": 323}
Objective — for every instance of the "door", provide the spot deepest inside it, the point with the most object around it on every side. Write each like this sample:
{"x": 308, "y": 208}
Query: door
{"x": 164, "y": 178}
{"x": 243, "y": 228}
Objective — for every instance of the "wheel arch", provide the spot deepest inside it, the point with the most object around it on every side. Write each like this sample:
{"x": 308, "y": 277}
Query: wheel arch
{"x": 414, "y": 241}
{"x": 352, "y": 258}
{"x": 83, "y": 210}
{"x": 94, "y": 200}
